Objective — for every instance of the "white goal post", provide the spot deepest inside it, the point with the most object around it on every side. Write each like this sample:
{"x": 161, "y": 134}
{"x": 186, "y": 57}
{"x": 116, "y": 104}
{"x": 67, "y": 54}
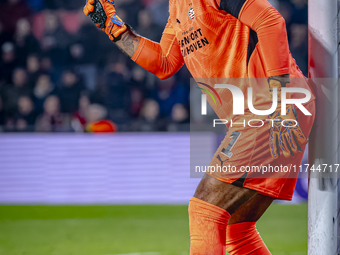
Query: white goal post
{"x": 323, "y": 192}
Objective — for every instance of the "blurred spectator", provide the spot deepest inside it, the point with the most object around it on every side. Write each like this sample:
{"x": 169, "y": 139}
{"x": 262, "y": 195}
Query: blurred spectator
{"x": 179, "y": 114}
{"x": 77, "y": 53}
{"x": 12, "y": 92}
{"x": 115, "y": 94}
{"x": 89, "y": 39}
{"x": 136, "y": 101}
{"x": 26, "y": 115}
{"x": 95, "y": 112}
{"x": 149, "y": 119}
{"x": 84, "y": 52}
{"x": 79, "y": 118}
{"x": 169, "y": 92}
{"x": 42, "y": 89}
{"x": 52, "y": 120}
{"x": 137, "y": 87}
{"x": 69, "y": 92}
{"x": 20, "y": 78}
{"x": 8, "y": 62}
{"x": 55, "y": 40}
{"x": 96, "y": 120}
{"x": 179, "y": 119}
{"x": 11, "y": 11}
{"x": 33, "y": 69}
{"x": 46, "y": 65}
{"x": 25, "y": 41}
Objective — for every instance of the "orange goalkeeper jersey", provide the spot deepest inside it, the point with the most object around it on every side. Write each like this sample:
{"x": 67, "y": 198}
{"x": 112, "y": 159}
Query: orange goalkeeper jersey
{"x": 223, "y": 39}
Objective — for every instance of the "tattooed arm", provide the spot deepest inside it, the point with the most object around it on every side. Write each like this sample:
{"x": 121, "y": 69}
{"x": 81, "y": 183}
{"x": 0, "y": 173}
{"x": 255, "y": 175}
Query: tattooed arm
{"x": 163, "y": 59}
{"x": 103, "y": 14}
{"x": 128, "y": 42}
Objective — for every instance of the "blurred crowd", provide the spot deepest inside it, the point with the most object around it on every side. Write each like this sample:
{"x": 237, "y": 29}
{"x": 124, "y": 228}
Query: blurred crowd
{"x": 59, "y": 73}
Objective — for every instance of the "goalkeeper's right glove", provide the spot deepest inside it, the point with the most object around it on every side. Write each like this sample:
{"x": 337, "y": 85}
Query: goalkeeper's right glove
{"x": 103, "y": 14}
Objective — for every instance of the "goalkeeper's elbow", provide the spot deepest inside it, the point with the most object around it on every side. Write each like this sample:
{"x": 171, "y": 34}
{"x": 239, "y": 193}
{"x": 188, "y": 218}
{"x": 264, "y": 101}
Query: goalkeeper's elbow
{"x": 164, "y": 76}
{"x": 164, "y": 73}
{"x": 166, "y": 70}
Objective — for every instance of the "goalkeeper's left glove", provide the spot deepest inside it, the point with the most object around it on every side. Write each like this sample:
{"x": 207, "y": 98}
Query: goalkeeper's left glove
{"x": 103, "y": 14}
{"x": 288, "y": 136}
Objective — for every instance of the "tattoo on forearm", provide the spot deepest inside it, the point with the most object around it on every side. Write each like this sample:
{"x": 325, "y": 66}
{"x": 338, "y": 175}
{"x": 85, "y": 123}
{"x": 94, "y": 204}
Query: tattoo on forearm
{"x": 128, "y": 43}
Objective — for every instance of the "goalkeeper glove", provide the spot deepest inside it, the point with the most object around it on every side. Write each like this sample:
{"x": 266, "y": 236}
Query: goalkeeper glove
{"x": 103, "y": 14}
{"x": 284, "y": 136}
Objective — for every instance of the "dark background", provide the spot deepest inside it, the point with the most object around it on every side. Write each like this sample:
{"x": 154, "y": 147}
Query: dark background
{"x": 58, "y": 72}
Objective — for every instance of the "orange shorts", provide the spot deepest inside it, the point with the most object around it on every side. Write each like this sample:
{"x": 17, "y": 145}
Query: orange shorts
{"x": 246, "y": 160}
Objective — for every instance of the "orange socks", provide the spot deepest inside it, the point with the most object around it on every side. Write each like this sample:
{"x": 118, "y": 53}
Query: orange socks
{"x": 207, "y": 224}
{"x": 210, "y": 235}
{"x": 243, "y": 238}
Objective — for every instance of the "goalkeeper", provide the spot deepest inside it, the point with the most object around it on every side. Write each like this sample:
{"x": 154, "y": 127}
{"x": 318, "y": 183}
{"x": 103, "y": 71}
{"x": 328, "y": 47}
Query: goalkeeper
{"x": 228, "y": 39}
